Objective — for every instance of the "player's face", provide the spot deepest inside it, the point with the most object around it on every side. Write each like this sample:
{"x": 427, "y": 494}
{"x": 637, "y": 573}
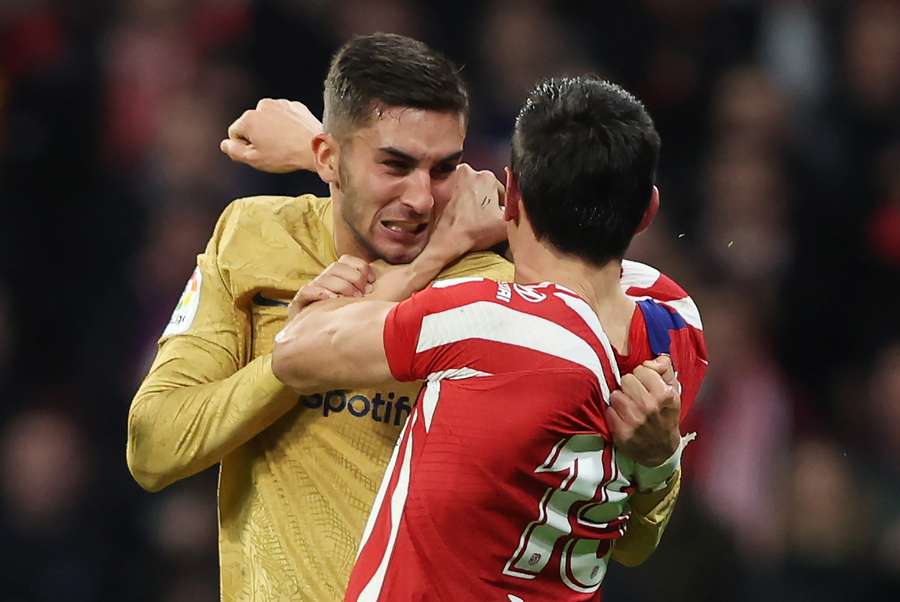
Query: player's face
{"x": 395, "y": 179}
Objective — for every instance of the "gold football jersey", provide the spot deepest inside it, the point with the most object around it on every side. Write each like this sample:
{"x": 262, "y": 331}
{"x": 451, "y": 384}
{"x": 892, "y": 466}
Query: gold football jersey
{"x": 298, "y": 474}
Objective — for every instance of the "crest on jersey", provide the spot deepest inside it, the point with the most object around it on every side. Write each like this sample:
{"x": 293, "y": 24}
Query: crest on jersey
{"x": 184, "y": 313}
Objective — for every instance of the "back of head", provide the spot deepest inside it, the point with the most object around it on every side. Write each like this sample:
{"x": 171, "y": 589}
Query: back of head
{"x": 380, "y": 70}
{"x": 584, "y": 153}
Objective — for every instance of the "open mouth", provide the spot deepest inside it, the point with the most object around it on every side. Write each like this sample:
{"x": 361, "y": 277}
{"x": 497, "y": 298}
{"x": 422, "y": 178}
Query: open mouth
{"x": 412, "y": 228}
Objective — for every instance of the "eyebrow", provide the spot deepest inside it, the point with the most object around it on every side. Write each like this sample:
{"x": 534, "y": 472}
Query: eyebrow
{"x": 399, "y": 154}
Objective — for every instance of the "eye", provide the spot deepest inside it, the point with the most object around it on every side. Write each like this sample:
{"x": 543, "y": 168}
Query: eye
{"x": 443, "y": 171}
{"x": 399, "y": 167}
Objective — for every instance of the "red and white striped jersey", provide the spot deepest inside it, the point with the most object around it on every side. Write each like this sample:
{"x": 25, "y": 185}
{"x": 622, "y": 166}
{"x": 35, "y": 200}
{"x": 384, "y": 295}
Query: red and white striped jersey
{"x": 504, "y": 484}
{"x": 668, "y": 322}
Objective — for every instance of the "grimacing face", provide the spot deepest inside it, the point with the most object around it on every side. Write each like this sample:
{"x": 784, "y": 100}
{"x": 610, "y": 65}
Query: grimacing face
{"x": 396, "y": 176}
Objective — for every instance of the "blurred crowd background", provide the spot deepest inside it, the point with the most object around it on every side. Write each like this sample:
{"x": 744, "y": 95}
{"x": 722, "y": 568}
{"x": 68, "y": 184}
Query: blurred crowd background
{"x": 780, "y": 181}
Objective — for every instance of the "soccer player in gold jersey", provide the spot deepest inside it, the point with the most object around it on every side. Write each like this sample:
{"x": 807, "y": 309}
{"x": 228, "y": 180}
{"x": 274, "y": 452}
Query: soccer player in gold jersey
{"x": 298, "y": 474}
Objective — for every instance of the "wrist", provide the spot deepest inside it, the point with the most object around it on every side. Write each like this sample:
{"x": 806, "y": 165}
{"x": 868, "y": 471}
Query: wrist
{"x": 399, "y": 282}
{"x": 426, "y": 267}
{"x": 653, "y": 478}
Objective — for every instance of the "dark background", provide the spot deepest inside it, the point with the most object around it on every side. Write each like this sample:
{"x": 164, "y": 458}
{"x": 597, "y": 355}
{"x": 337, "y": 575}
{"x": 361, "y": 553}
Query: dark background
{"x": 780, "y": 182}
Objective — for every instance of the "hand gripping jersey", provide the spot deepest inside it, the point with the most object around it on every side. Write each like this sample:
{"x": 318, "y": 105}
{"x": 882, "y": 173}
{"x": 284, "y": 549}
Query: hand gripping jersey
{"x": 504, "y": 485}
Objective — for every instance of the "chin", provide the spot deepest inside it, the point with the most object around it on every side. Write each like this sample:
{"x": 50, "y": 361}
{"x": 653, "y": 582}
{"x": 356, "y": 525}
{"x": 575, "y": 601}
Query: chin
{"x": 400, "y": 257}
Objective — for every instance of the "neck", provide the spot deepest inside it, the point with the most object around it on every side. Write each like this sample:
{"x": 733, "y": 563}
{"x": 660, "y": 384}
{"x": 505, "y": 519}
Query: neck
{"x": 598, "y": 285}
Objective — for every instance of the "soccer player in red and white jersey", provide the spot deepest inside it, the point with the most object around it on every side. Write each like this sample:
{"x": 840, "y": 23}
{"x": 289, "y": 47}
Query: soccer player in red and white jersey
{"x": 506, "y": 483}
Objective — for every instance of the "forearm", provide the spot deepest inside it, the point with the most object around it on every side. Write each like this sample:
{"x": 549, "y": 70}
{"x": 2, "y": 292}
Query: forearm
{"x": 178, "y": 427}
{"x": 398, "y": 282}
{"x": 333, "y": 344}
{"x": 650, "y": 515}
{"x": 651, "y": 507}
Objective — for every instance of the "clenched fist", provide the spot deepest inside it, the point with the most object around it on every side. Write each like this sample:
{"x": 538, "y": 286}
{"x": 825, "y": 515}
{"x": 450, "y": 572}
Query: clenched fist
{"x": 643, "y": 415}
{"x": 275, "y": 137}
{"x": 473, "y": 217}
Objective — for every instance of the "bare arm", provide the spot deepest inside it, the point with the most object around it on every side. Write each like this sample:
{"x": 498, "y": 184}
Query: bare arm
{"x": 336, "y": 343}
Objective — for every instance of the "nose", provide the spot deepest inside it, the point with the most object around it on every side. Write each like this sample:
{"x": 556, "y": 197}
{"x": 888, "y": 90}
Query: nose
{"x": 418, "y": 195}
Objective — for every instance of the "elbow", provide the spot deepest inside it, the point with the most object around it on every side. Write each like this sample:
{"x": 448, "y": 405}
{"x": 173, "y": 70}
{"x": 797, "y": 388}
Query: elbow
{"x": 143, "y": 462}
{"x": 144, "y": 475}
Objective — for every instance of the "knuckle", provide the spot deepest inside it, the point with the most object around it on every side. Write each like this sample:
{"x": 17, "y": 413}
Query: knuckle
{"x": 642, "y": 371}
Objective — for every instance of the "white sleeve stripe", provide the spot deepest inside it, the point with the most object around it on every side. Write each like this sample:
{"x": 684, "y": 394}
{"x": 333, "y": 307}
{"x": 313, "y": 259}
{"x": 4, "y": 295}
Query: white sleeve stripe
{"x": 382, "y": 490}
{"x": 685, "y": 307}
{"x": 456, "y": 374}
{"x": 638, "y": 274}
{"x": 493, "y": 322}
{"x": 429, "y": 402}
{"x": 454, "y": 281}
{"x": 398, "y": 501}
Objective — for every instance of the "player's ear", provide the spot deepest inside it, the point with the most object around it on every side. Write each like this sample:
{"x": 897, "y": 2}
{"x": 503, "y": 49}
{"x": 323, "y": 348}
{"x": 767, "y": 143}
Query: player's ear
{"x": 513, "y": 197}
{"x": 326, "y": 153}
{"x": 650, "y": 212}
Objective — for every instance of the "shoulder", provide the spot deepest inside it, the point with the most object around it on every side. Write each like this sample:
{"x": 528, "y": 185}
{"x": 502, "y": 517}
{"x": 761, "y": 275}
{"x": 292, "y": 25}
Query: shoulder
{"x": 456, "y": 292}
{"x": 272, "y": 241}
{"x": 641, "y": 281}
{"x": 484, "y": 264}
{"x": 283, "y": 212}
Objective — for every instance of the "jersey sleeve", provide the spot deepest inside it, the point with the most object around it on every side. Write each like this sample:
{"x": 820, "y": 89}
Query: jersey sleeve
{"x": 422, "y": 334}
{"x": 201, "y": 399}
{"x": 673, "y": 325}
{"x": 650, "y": 514}
{"x": 689, "y": 360}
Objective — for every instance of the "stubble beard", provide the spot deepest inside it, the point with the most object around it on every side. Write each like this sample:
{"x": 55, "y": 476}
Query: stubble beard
{"x": 350, "y": 202}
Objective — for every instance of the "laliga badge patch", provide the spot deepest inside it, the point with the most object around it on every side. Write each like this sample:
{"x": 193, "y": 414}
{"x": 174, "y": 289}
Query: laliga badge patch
{"x": 184, "y": 313}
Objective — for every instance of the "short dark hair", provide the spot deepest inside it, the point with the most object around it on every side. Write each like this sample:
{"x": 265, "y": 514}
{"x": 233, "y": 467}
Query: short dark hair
{"x": 584, "y": 152}
{"x": 381, "y": 70}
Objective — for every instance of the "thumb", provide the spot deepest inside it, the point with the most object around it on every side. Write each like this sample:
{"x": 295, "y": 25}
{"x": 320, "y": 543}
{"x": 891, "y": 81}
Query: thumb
{"x": 237, "y": 150}
{"x": 662, "y": 365}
